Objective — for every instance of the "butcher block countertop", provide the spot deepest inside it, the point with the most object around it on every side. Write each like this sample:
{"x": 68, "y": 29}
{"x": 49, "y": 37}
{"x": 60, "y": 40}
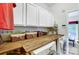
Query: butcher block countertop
{"x": 30, "y": 44}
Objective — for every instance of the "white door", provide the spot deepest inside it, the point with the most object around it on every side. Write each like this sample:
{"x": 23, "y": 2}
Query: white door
{"x": 18, "y": 14}
{"x": 52, "y": 21}
{"x": 42, "y": 17}
{"x": 32, "y": 15}
{"x": 48, "y": 19}
{"x": 45, "y": 18}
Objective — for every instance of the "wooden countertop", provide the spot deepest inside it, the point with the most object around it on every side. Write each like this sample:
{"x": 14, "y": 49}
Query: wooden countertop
{"x": 38, "y": 42}
{"x": 30, "y": 44}
{"x": 9, "y": 46}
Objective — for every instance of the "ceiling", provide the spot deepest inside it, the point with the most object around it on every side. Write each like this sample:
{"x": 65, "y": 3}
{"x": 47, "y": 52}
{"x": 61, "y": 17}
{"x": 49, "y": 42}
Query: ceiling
{"x": 49, "y": 4}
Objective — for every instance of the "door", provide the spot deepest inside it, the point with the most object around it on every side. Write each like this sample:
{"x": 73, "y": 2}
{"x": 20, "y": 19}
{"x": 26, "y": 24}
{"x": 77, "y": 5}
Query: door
{"x": 18, "y": 14}
{"x": 52, "y": 21}
{"x": 49, "y": 19}
{"x": 42, "y": 17}
{"x": 45, "y": 18}
{"x": 32, "y": 15}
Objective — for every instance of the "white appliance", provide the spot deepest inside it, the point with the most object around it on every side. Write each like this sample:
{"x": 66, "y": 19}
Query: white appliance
{"x": 45, "y": 50}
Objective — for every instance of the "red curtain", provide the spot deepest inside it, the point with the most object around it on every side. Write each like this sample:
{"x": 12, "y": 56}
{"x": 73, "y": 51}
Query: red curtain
{"x": 6, "y": 16}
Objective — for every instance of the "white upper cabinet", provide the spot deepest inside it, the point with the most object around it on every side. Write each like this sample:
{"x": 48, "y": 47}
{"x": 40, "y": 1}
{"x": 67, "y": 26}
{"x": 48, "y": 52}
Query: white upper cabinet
{"x": 42, "y": 17}
{"x": 18, "y": 14}
{"x": 32, "y": 15}
{"x": 45, "y": 18}
{"x": 48, "y": 19}
{"x": 52, "y": 20}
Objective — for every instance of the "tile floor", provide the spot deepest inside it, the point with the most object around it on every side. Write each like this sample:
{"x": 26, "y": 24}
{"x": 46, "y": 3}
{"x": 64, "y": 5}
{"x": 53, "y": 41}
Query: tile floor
{"x": 72, "y": 50}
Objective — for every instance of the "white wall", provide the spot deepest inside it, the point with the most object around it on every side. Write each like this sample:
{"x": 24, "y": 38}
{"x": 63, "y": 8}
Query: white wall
{"x": 59, "y": 10}
{"x": 44, "y": 5}
{"x": 23, "y": 29}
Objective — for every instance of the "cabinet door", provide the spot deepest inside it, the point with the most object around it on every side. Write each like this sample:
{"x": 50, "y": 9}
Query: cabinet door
{"x": 42, "y": 17}
{"x": 45, "y": 18}
{"x": 32, "y": 15}
{"x": 48, "y": 19}
{"x": 18, "y": 13}
{"x": 52, "y": 21}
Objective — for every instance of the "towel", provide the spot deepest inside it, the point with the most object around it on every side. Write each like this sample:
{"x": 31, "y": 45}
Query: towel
{"x": 6, "y": 16}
